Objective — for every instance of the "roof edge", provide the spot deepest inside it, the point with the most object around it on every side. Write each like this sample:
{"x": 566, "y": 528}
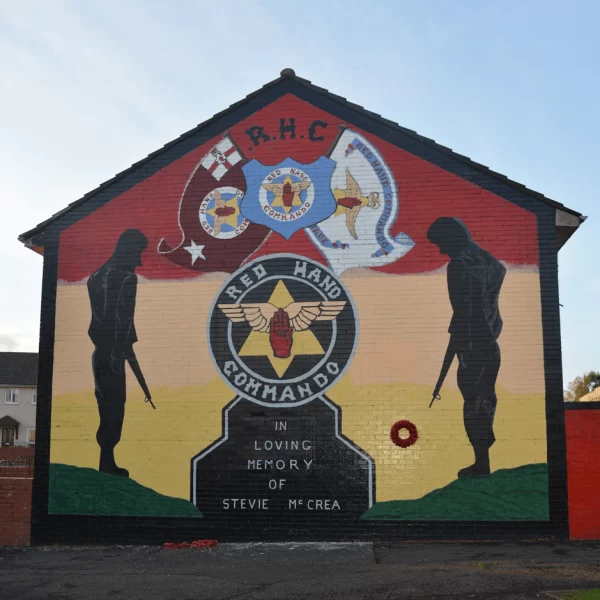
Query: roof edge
{"x": 34, "y": 238}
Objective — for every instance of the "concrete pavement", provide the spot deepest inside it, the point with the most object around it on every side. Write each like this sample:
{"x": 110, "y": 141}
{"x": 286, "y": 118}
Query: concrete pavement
{"x": 300, "y": 571}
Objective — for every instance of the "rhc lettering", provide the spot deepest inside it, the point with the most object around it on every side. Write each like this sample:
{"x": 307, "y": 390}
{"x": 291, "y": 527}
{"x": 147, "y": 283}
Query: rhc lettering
{"x": 287, "y": 131}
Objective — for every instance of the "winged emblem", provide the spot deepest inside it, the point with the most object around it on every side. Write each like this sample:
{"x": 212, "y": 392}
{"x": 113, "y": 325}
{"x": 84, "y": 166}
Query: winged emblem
{"x": 351, "y": 201}
{"x": 280, "y": 323}
{"x": 287, "y": 192}
{"x": 222, "y": 211}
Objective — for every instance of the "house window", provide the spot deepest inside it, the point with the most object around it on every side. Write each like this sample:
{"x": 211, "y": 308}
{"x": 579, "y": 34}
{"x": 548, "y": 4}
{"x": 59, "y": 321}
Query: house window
{"x": 11, "y": 396}
{"x": 34, "y": 397}
{"x": 31, "y": 436}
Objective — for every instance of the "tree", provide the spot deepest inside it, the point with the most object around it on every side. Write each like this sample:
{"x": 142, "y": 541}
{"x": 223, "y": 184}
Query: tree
{"x": 582, "y": 385}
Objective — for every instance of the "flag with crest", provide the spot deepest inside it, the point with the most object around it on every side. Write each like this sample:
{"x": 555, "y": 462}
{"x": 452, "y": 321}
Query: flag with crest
{"x": 215, "y": 236}
{"x": 357, "y": 234}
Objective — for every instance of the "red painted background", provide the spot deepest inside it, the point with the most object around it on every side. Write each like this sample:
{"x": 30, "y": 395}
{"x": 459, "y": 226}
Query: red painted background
{"x": 426, "y": 192}
{"x": 583, "y": 472}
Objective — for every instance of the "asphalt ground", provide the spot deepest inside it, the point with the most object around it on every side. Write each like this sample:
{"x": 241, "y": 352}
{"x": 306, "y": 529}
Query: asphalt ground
{"x": 296, "y": 571}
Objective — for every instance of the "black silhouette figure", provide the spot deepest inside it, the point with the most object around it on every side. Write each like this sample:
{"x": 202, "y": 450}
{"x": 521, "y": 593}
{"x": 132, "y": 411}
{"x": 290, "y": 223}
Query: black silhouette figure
{"x": 112, "y": 290}
{"x": 474, "y": 281}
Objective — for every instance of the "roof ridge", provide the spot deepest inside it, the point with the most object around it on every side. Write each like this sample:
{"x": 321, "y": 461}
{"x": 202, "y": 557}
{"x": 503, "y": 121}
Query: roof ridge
{"x": 289, "y": 73}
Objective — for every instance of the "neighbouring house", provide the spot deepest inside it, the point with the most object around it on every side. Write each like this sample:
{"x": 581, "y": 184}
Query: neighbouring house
{"x": 593, "y": 396}
{"x": 18, "y": 399}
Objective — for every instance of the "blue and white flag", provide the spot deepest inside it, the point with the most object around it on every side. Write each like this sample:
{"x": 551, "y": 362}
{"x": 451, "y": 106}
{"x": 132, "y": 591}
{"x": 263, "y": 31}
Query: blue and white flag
{"x": 289, "y": 196}
{"x": 357, "y": 234}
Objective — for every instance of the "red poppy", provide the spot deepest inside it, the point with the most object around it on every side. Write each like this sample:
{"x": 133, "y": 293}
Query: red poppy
{"x": 404, "y": 442}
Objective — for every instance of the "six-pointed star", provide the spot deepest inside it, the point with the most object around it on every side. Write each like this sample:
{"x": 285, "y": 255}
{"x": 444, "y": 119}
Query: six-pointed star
{"x": 231, "y": 219}
{"x": 258, "y": 344}
{"x": 285, "y": 191}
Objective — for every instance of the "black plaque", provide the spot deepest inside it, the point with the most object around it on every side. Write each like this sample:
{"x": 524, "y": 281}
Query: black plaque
{"x": 282, "y": 462}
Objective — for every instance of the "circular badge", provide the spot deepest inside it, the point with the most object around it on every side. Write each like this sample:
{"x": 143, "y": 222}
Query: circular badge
{"x": 282, "y": 330}
{"x": 286, "y": 194}
{"x": 220, "y": 214}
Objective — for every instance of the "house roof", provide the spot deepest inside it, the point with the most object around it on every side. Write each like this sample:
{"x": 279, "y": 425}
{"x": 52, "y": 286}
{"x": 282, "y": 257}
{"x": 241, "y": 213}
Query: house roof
{"x": 9, "y": 422}
{"x": 18, "y": 368}
{"x": 593, "y": 396}
{"x": 32, "y": 238}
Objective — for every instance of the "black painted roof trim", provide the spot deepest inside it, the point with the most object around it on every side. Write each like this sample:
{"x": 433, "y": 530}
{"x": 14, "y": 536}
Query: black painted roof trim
{"x": 582, "y": 406}
{"x": 33, "y": 236}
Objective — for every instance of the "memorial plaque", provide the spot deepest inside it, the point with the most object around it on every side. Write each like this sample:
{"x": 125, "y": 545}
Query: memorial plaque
{"x": 282, "y": 331}
{"x": 282, "y": 460}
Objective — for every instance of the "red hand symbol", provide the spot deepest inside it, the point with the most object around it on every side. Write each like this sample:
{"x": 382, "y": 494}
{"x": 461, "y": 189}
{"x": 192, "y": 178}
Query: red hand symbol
{"x": 225, "y": 211}
{"x": 348, "y": 202}
{"x": 281, "y": 334}
{"x": 288, "y": 194}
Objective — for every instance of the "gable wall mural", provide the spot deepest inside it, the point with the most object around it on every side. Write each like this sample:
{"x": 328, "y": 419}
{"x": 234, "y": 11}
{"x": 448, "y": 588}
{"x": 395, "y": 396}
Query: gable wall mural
{"x": 300, "y": 320}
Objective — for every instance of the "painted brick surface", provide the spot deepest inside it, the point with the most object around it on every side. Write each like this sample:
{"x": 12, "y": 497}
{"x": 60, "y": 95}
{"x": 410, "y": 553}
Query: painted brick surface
{"x": 16, "y": 476}
{"x": 291, "y": 278}
{"x": 583, "y": 448}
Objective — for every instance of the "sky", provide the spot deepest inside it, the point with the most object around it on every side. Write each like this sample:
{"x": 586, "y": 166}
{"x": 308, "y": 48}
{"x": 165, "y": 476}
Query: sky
{"x": 88, "y": 87}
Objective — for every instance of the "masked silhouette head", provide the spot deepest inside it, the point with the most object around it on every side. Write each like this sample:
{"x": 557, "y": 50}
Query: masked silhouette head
{"x": 450, "y": 235}
{"x": 129, "y": 248}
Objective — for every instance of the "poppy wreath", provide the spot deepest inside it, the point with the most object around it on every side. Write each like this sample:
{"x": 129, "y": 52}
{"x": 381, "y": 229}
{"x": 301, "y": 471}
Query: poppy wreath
{"x": 404, "y": 442}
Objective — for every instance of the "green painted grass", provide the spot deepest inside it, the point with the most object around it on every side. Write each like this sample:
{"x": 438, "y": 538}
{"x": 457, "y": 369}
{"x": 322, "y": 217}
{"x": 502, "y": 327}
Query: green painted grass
{"x": 519, "y": 494}
{"x": 80, "y": 491}
{"x": 579, "y": 595}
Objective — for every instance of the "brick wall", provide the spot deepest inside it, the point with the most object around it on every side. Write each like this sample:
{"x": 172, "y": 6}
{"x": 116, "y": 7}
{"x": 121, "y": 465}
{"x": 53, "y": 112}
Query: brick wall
{"x": 394, "y": 317}
{"x": 16, "y": 478}
{"x": 583, "y": 452}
